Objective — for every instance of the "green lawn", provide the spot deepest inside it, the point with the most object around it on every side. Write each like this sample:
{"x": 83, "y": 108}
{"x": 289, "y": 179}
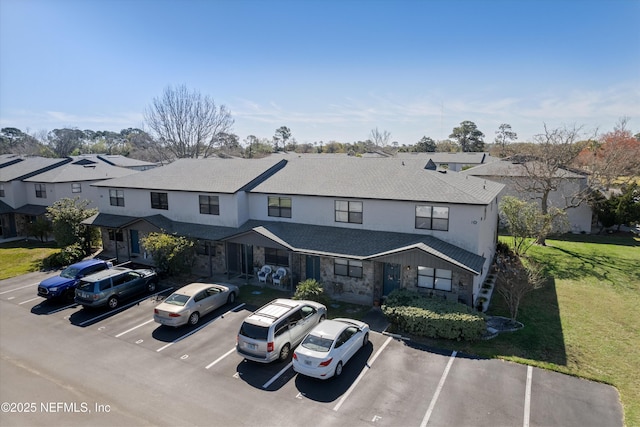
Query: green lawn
{"x": 20, "y": 257}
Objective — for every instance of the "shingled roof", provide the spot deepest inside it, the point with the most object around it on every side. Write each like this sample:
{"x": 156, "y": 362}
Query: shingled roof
{"x": 377, "y": 178}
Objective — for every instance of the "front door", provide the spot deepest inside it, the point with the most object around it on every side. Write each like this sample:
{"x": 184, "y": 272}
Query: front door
{"x": 313, "y": 267}
{"x": 135, "y": 241}
{"x": 391, "y": 278}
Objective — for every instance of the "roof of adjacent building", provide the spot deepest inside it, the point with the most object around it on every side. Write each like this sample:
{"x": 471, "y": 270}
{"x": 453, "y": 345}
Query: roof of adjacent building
{"x": 28, "y": 167}
{"x": 507, "y": 168}
{"x": 82, "y": 168}
{"x": 122, "y": 161}
{"x": 213, "y": 175}
{"x": 377, "y": 178}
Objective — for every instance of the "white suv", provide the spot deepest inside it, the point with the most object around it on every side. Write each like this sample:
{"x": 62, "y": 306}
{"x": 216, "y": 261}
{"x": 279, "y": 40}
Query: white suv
{"x": 274, "y": 330}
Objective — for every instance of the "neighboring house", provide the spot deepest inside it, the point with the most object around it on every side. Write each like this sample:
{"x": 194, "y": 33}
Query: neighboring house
{"x": 516, "y": 178}
{"x": 360, "y": 226}
{"x": 28, "y": 185}
{"x": 452, "y": 161}
{"x": 124, "y": 162}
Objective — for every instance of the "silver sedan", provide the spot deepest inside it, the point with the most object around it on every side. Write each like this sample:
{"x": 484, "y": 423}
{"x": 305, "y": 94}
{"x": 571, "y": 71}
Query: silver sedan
{"x": 189, "y": 303}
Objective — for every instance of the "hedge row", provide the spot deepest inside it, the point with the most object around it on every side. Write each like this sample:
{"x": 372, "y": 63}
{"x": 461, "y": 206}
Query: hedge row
{"x": 433, "y": 317}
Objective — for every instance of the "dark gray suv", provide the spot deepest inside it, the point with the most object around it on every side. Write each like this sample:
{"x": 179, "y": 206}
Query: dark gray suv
{"x": 109, "y": 287}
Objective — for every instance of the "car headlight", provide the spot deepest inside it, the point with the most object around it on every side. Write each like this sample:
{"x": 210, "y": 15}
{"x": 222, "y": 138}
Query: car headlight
{"x": 55, "y": 289}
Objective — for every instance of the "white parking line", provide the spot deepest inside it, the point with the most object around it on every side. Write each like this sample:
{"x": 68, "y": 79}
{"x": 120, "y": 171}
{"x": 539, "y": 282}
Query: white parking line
{"x": 134, "y": 328}
{"x": 220, "y": 358}
{"x": 432, "y": 405}
{"x": 16, "y": 289}
{"x": 197, "y": 329}
{"x": 62, "y": 308}
{"x": 29, "y": 300}
{"x": 364, "y": 371}
{"x": 108, "y": 313}
{"x": 276, "y": 376}
{"x": 527, "y": 398}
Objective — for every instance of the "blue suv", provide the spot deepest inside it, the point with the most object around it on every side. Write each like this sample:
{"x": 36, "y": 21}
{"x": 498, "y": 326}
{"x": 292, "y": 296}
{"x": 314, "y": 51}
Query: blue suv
{"x": 65, "y": 284}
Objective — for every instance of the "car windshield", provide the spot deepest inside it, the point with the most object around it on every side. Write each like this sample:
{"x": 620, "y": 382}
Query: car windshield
{"x": 177, "y": 299}
{"x": 70, "y": 272}
{"x": 316, "y": 343}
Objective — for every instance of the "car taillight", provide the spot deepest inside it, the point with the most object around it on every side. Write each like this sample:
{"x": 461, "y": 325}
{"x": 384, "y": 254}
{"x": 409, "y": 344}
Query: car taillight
{"x": 174, "y": 315}
{"x": 155, "y": 310}
{"x": 295, "y": 356}
{"x": 270, "y": 346}
{"x": 326, "y": 362}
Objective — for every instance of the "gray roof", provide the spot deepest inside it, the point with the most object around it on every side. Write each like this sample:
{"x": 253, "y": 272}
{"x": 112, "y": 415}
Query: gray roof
{"x": 122, "y": 161}
{"x": 506, "y": 168}
{"x": 29, "y": 167}
{"x": 213, "y": 175}
{"x": 31, "y": 210}
{"x": 360, "y": 244}
{"x": 462, "y": 158}
{"x": 311, "y": 239}
{"x": 82, "y": 169}
{"x": 377, "y": 178}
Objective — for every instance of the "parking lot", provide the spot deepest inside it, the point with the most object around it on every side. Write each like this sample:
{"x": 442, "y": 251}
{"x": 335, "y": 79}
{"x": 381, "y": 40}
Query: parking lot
{"x": 64, "y": 365}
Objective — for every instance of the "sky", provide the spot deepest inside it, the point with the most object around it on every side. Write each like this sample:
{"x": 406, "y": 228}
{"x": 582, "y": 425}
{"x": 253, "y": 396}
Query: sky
{"x": 328, "y": 70}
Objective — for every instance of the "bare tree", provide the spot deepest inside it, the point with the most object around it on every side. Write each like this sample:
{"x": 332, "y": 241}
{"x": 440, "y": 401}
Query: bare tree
{"x": 504, "y": 136}
{"x": 187, "y": 123}
{"x": 64, "y": 141}
{"x": 516, "y": 280}
{"x": 545, "y": 171}
{"x": 380, "y": 139}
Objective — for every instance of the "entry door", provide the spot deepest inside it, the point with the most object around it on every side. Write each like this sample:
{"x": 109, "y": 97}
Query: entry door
{"x": 135, "y": 241}
{"x": 391, "y": 279}
{"x": 313, "y": 267}
{"x": 247, "y": 259}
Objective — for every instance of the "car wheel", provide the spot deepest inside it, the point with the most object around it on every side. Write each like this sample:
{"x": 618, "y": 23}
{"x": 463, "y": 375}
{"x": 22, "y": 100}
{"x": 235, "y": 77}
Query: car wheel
{"x": 365, "y": 340}
{"x": 112, "y": 302}
{"x": 151, "y": 286}
{"x": 284, "y": 352}
{"x": 338, "y": 371}
{"x": 69, "y": 295}
{"x": 194, "y": 318}
{"x": 232, "y": 298}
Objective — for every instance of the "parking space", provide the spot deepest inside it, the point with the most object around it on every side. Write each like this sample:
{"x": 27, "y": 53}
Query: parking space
{"x": 388, "y": 382}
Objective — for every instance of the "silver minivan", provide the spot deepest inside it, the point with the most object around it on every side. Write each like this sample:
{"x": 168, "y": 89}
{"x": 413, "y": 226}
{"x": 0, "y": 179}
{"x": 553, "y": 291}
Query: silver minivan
{"x": 109, "y": 287}
{"x": 274, "y": 330}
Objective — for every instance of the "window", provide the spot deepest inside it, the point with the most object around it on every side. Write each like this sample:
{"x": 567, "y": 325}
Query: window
{"x": 116, "y": 197}
{"x": 209, "y": 205}
{"x": 205, "y": 248}
{"x": 118, "y": 236}
{"x": 159, "y": 201}
{"x": 347, "y": 267}
{"x": 1, "y": 190}
{"x": 276, "y": 257}
{"x": 432, "y": 217}
{"x": 434, "y": 278}
{"x": 348, "y": 211}
{"x": 76, "y": 187}
{"x": 41, "y": 191}
{"x": 280, "y": 206}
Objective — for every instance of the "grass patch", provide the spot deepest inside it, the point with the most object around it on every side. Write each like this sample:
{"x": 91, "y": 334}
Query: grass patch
{"x": 20, "y": 257}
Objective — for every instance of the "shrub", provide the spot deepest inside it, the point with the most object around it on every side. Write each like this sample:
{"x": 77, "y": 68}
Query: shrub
{"x": 171, "y": 254}
{"x": 432, "y": 317}
{"x": 68, "y": 255}
{"x": 310, "y": 289}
